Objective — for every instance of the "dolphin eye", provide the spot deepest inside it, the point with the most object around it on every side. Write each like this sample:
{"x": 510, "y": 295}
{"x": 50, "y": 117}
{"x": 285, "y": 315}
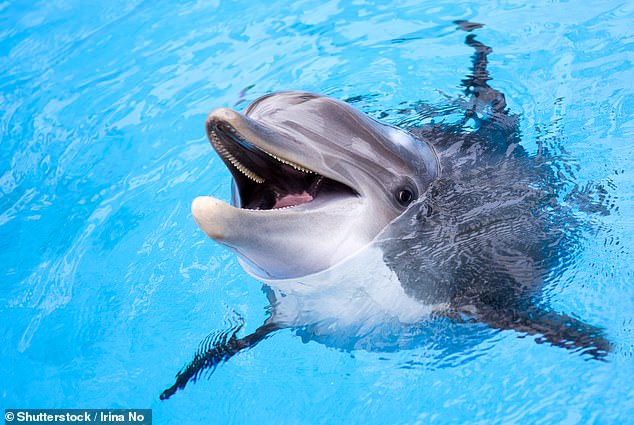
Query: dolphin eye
{"x": 405, "y": 195}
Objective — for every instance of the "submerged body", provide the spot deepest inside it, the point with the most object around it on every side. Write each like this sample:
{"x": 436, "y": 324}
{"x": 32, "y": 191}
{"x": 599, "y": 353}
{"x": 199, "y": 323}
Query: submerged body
{"x": 351, "y": 223}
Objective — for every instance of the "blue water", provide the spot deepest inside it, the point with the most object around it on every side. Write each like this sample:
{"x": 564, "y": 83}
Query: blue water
{"x": 107, "y": 286}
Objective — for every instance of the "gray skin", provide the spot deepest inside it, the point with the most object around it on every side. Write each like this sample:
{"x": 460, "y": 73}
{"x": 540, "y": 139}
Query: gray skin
{"x": 269, "y": 150}
{"x": 462, "y": 218}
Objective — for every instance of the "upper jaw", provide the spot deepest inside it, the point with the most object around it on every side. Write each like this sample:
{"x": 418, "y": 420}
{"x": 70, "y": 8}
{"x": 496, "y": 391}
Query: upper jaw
{"x": 230, "y": 133}
{"x": 265, "y": 179}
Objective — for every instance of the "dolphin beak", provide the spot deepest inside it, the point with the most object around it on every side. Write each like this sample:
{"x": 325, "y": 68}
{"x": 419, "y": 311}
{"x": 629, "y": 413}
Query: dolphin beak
{"x": 248, "y": 128}
{"x": 214, "y": 217}
{"x": 224, "y": 115}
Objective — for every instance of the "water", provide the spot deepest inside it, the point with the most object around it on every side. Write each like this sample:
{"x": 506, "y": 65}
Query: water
{"x": 107, "y": 285}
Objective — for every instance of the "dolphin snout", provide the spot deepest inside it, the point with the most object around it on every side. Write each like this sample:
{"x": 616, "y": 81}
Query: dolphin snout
{"x": 213, "y": 216}
{"x": 223, "y": 115}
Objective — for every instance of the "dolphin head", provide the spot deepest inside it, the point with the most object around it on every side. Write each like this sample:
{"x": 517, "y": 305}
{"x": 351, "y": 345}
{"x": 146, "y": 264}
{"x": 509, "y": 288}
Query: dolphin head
{"x": 314, "y": 181}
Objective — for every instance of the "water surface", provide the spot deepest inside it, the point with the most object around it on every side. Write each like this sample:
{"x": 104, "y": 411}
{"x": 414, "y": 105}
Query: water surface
{"x": 107, "y": 286}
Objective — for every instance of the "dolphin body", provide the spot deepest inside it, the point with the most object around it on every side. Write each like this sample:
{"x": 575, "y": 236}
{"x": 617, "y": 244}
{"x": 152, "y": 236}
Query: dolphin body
{"x": 351, "y": 223}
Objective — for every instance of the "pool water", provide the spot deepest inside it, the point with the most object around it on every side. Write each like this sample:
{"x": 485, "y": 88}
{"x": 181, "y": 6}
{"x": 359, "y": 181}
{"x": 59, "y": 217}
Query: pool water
{"x": 107, "y": 286}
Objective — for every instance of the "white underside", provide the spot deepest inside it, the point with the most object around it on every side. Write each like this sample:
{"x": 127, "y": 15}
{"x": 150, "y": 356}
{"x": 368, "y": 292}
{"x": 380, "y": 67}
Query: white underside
{"x": 357, "y": 295}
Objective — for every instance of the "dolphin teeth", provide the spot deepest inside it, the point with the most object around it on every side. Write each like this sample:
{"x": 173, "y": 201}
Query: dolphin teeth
{"x": 283, "y": 161}
{"x": 292, "y": 164}
{"x": 223, "y": 152}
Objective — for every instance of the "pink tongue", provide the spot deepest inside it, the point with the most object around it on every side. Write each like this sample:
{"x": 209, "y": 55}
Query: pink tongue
{"x": 293, "y": 199}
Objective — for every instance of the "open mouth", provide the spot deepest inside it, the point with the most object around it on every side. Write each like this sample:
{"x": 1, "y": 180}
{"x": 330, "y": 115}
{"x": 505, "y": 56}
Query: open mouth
{"x": 266, "y": 181}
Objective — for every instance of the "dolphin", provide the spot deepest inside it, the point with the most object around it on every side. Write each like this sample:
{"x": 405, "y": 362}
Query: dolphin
{"x": 350, "y": 222}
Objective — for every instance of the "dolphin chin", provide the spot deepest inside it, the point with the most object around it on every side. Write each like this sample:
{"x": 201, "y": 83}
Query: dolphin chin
{"x": 265, "y": 239}
{"x": 314, "y": 181}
